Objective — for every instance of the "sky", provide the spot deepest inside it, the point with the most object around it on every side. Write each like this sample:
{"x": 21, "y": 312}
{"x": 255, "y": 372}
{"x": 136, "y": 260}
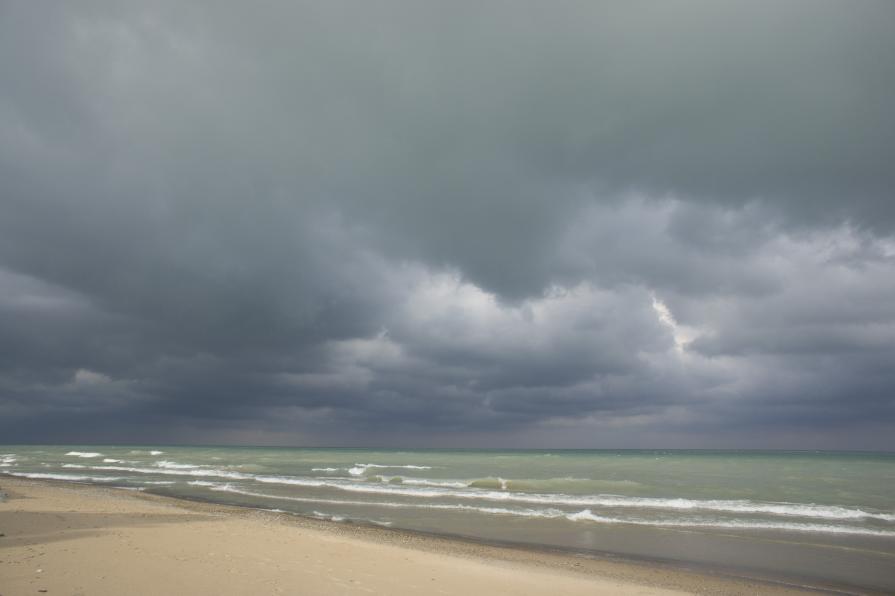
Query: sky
{"x": 614, "y": 224}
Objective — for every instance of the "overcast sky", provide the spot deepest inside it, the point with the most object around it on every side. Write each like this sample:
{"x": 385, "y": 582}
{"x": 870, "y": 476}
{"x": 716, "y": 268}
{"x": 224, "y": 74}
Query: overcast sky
{"x": 542, "y": 224}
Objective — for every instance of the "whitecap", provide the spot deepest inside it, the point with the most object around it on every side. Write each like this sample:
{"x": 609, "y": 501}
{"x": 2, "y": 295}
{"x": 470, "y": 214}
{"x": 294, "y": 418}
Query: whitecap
{"x": 832, "y": 512}
{"x": 424, "y": 488}
{"x": 360, "y": 469}
{"x": 170, "y": 465}
{"x": 588, "y": 515}
{"x": 430, "y": 490}
{"x": 70, "y": 477}
{"x": 422, "y": 481}
{"x": 327, "y": 516}
{"x": 166, "y": 472}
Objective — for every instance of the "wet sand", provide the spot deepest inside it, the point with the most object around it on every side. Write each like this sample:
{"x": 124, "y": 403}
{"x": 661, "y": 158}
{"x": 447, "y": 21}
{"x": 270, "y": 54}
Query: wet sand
{"x": 79, "y": 539}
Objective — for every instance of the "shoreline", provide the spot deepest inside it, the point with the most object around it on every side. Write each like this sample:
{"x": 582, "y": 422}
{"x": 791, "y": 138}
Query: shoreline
{"x": 597, "y": 571}
{"x": 501, "y": 549}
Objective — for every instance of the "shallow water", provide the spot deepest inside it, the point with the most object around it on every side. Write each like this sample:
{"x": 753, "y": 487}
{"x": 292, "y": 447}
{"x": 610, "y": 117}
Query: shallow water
{"x": 821, "y": 517}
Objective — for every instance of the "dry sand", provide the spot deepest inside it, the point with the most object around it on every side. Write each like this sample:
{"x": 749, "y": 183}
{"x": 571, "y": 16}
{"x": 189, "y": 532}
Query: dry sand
{"x": 75, "y": 539}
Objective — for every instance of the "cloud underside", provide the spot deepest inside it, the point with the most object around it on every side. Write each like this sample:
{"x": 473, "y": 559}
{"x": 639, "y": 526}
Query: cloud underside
{"x": 611, "y": 224}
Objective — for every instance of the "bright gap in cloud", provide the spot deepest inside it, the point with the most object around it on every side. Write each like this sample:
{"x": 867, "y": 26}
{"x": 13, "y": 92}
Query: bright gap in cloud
{"x": 682, "y": 336}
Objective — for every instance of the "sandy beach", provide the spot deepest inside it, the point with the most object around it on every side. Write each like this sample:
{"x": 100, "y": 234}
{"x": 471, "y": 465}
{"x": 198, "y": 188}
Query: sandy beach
{"x": 77, "y": 539}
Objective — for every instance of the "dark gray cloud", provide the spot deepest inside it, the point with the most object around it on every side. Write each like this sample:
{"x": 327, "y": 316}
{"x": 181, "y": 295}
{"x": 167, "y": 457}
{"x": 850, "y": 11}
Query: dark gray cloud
{"x": 582, "y": 224}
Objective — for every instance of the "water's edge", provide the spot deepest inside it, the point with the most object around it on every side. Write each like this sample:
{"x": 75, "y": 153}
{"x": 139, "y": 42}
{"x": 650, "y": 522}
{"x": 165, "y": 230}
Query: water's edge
{"x": 488, "y": 548}
{"x": 819, "y": 519}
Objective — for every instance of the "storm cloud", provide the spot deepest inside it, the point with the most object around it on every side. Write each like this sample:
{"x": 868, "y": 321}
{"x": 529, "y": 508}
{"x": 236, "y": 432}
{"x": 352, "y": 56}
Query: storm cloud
{"x": 569, "y": 224}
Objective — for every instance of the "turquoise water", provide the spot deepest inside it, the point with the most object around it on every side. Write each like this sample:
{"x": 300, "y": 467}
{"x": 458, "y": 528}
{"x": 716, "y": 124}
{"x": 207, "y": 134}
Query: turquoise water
{"x": 687, "y": 506}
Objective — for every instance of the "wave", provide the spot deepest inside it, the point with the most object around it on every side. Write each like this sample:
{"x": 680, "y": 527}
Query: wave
{"x": 170, "y": 465}
{"x": 70, "y": 477}
{"x": 403, "y": 466}
{"x": 109, "y": 460}
{"x": 225, "y": 487}
{"x": 83, "y": 454}
{"x": 335, "y": 518}
{"x": 559, "y": 484}
{"x": 497, "y": 483}
{"x": 582, "y": 516}
{"x": 832, "y": 512}
{"x": 216, "y": 473}
{"x": 587, "y": 515}
{"x": 546, "y": 484}
{"x": 361, "y": 469}
{"x": 292, "y": 481}
{"x": 342, "y": 518}
{"x": 419, "y": 481}
{"x": 429, "y": 489}
{"x": 325, "y": 469}
{"x": 175, "y": 472}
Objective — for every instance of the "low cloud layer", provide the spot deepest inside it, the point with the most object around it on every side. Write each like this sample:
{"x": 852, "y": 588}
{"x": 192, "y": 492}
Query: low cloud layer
{"x": 575, "y": 224}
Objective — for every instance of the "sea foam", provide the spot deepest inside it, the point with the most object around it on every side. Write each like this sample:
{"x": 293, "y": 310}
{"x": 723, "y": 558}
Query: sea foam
{"x": 431, "y": 489}
{"x": 361, "y": 469}
{"x": 588, "y": 515}
{"x": 70, "y": 477}
{"x": 832, "y": 512}
{"x": 167, "y": 472}
{"x": 170, "y": 465}
{"x": 585, "y": 515}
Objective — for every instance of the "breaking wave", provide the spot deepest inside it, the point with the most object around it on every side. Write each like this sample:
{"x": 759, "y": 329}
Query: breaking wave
{"x": 361, "y": 469}
{"x": 585, "y": 515}
{"x": 170, "y": 465}
{"x": 430, "y": 489}
{"x": 588, "y": 515}
{"x": 70, "y": 477}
